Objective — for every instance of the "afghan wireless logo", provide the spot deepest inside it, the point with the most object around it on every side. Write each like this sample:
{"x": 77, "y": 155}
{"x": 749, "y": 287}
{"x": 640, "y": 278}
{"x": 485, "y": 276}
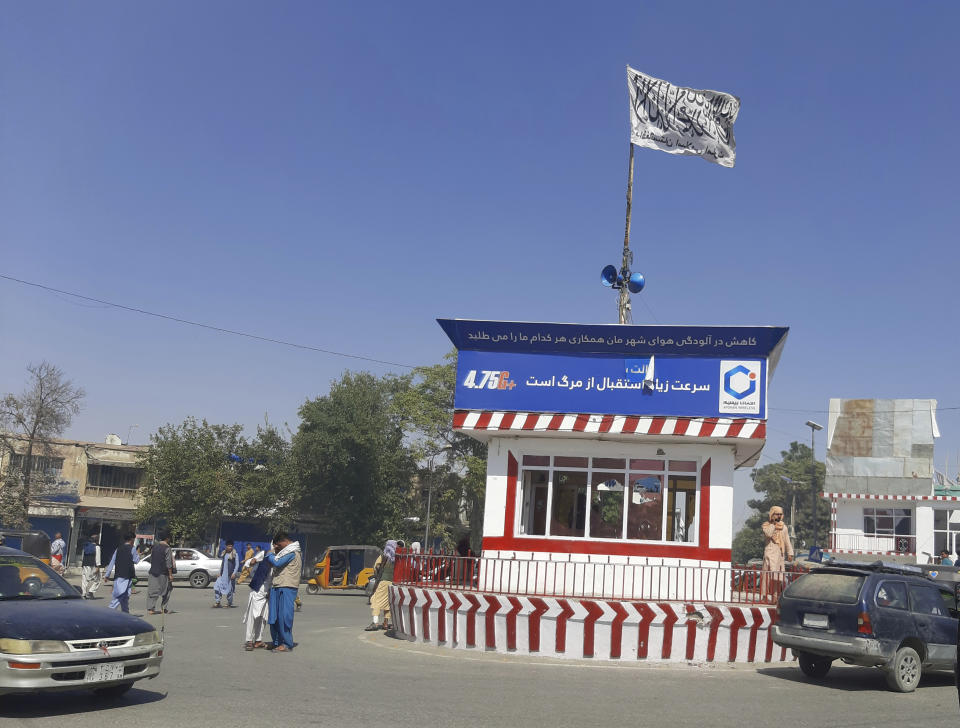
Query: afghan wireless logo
{"x": 740, "y": 382}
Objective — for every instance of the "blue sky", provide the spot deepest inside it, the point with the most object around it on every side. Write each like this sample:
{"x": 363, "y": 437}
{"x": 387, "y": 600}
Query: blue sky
{"x": 341, "y": 174}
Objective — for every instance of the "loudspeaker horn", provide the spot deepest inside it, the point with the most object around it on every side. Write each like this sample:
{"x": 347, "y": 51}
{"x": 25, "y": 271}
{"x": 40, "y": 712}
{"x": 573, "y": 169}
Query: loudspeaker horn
{"x": 636, "y": 283}
{"x": 608, "y": 276}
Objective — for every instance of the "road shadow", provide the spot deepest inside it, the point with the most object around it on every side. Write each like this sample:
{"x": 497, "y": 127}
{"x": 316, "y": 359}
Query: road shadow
{"x": 854, "y": 679}
{"x": 46, "y": 705}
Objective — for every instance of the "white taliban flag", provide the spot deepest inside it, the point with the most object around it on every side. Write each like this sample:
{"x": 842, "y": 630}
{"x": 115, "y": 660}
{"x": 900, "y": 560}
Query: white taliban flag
{"x": 680, "y": 120}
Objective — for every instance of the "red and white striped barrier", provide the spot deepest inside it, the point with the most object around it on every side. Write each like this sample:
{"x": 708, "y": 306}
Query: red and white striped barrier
{"x": 587, "y": 628}
{"x": 710, "y": 427}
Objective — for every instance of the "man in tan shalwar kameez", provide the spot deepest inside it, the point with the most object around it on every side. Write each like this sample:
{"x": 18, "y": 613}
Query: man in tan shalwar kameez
{"x": 776, "y": 551}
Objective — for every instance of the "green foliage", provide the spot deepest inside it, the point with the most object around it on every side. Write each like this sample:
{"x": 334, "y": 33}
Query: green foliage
{"x": 798, "y": 496}
{"x": 351, "y": 460}
{"x": 456, "y": 464}
{"x": 362, "y": 463}
{"x": 191, "y": 482}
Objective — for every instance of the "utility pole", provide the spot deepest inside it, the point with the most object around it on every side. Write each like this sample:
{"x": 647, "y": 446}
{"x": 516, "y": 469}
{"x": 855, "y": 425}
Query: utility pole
{"x": 623, "y": 306}
{"x": 813, "y": 474}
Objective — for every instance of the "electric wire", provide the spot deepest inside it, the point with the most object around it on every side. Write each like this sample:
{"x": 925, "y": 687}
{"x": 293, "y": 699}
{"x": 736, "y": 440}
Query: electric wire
{"x": 308, "y": 347}
{"x": 210, "y": 327}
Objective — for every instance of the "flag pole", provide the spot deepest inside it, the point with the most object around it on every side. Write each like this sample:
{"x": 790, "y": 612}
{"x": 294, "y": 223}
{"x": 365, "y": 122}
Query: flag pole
{"x": 623, "y": 306}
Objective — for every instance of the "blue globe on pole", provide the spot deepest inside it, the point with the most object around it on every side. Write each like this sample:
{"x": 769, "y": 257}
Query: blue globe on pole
{"x": 612, "y": 278}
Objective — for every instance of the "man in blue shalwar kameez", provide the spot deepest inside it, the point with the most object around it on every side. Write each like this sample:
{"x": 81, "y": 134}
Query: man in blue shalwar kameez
{"x": 287, "y": 565}
{"x": 226, "y": 584}
{"x": 123, "y": 560}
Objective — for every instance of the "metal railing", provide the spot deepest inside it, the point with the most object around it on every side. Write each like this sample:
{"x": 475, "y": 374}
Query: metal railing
{"x": 880, "y": 544}
{"x": 540, "y": 578}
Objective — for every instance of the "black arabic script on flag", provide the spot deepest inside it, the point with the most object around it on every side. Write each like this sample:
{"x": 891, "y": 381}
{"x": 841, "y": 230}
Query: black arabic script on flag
{"x": 681, "y": 120}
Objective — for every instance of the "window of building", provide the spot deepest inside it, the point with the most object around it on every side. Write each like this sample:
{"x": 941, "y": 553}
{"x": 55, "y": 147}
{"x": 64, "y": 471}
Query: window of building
{"x": 606, "y": 506}
{"x": 568, "y": 515}
{"x": 645, "y": 506}
{"x": 887, "y": 522}
{"x": 608, "y": 498}
{"x": 41, "y": 464}
{"x": 681, "y": 507}
{"x": 109, "y": 476}
{"x": 946, "y": 526}
{"x": 533, "y": 521}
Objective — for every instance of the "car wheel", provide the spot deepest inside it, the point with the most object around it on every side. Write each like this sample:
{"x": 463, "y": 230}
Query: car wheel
{"x": 904, "y": 672}
{"x": 199, "y": 579}
{"x": 814, "y": 666}
{"x": 313, "y": 589}
{"x": 114, "y": 691}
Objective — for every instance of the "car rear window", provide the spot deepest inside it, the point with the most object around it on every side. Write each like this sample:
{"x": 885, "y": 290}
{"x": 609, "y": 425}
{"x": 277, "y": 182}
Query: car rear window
{"x": 840, "y": 588}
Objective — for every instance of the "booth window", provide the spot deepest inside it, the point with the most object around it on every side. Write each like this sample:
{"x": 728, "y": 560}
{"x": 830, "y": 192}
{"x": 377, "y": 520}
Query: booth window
{"x": 681, "y": 507}
{"x": 606, "y": 506}
{"x": 568, "y": 516}
{"x": 533, "y": 521}
{"x": 645, "y": 507}
{"x": 637, "y": 499}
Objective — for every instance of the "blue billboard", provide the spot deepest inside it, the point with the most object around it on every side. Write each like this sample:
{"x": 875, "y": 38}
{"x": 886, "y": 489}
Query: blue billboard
{"x": 628, "y": 385}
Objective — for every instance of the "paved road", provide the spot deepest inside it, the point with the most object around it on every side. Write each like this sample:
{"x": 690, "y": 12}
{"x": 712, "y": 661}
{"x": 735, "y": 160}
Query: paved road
{"x": 342, "y": 676}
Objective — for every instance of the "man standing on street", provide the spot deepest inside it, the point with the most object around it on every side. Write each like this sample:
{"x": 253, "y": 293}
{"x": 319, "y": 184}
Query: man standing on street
{"x": 380, "y": 601}
{"x": 256, "y": 615}
{"x": 91, "y": 564}
{"x": 245, "y": 572}
{"x": 287, "y": 566}
{"x": 123, "y": 560}
{"x": 227, "y": 583}
{"x": 160, "y": 576}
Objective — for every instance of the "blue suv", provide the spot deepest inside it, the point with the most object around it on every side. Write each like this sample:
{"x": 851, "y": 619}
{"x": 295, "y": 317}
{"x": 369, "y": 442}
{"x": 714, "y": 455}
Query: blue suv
{"x": 882, "y": 615}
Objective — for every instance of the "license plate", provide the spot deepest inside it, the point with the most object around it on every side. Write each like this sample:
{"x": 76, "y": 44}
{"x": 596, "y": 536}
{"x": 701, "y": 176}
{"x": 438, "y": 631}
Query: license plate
{"x": 820, "y": 621}
{"x": 106, "y": 671}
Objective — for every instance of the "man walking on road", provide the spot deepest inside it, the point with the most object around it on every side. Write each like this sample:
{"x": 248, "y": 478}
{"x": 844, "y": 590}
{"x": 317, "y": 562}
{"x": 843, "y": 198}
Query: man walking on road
{"x": 160, "y": 576}
{"x": 92, "y": 564}
{"x": 227, "y": 583}
{"x": 287, "y": 566}
{"x": 123, "y": 560}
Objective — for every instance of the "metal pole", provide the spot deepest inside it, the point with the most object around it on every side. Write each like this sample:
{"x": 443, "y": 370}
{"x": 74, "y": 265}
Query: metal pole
{"x": 426, "y": 533}
{"x": 623, "y": 306}
{"x": 813, "y": 480}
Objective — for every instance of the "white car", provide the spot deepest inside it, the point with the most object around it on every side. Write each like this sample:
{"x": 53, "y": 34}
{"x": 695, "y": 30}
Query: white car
{"x": 192, "y": 564}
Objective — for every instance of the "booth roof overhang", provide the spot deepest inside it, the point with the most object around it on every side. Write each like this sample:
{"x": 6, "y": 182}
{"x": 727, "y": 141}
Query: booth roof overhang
{"x": 704, "y": 384}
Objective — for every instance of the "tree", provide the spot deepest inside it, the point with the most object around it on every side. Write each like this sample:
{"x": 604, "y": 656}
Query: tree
{"x": 785, "y": 484}
{"x": 196, "y": 474}
{"x": 456, "y": 464}
{"x": 350, "y": 457}
{"x": 41, "y": 412}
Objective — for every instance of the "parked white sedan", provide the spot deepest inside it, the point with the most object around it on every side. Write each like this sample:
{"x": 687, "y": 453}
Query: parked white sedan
{"x": 192, "y": 564}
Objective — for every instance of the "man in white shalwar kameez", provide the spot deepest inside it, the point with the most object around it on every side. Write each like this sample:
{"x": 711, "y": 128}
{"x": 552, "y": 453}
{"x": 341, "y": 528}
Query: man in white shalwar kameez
{"x": 256, "y": 615}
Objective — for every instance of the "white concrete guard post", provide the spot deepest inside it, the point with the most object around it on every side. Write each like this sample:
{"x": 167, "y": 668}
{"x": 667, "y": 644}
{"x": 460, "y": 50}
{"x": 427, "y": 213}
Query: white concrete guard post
{"x": 610, "y": 463}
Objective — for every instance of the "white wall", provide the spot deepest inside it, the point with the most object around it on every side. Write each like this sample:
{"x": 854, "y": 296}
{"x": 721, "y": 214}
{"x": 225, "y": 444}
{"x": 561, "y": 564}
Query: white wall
{"x": 496, "y": 493}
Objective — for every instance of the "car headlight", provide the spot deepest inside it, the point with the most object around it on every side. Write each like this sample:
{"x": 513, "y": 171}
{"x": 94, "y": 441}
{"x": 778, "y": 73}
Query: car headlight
{"x": 147, "y": 638}
{"x": 32, "y": 647}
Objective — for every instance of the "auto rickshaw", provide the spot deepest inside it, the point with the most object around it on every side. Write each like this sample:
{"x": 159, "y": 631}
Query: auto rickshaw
{"x": 35, "y": 543}
{"x": 345, "y": 567}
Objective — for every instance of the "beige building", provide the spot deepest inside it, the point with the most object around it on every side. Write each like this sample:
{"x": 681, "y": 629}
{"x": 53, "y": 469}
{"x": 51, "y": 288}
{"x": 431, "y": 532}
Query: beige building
{"x": 88, "y": 487}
